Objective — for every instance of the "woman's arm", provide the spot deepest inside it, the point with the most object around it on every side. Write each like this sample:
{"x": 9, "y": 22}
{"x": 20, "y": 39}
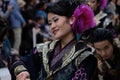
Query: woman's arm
{"x": 27, "y": 64}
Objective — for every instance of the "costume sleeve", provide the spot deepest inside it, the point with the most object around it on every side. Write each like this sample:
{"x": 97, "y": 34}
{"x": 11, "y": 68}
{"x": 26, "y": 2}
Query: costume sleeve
{"x": 30, "y": 63}
{"x": 16, "y": 12}
{"x": 86, "y": 70}
{"x": 16, "y": 68}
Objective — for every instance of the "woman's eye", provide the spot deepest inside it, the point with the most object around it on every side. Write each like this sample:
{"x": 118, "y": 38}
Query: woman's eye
{"x": 93, "y": 1}
{"x": 55, "y": 20}
{"x": 49, "y": 22}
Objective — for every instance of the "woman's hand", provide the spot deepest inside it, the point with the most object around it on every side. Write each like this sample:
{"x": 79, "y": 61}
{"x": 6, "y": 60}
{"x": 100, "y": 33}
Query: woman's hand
{"x": 23, "y": 76}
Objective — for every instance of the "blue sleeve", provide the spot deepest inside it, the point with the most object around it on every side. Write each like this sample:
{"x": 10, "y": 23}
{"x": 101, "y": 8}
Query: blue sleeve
{"x": 7, "y": 49}
{"x": 16, "y": 12}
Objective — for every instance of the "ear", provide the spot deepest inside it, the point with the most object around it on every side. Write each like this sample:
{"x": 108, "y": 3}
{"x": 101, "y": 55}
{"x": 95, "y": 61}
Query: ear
{"x": 71, "y": 20}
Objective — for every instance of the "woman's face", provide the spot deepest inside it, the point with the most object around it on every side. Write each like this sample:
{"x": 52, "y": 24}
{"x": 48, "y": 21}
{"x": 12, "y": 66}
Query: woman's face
{"x": 59, "y": 26}
{"x": 93, "y": 4}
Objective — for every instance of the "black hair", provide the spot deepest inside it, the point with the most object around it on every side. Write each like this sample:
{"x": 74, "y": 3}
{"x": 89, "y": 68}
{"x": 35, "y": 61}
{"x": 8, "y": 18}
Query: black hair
{"x": 3, "y": 29}
{"x": 63, "y": 7}
{"x": 101, "y": 34}
{"x": 98, "y": 1}
{"x": 40, "y": 4}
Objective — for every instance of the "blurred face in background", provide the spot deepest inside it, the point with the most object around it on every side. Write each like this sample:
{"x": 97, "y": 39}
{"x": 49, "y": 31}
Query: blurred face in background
{"x": 1, "y": 3}
{"x": 1, "y": 44}
{"x": 59, "y": 26}
{"x": 93, "y": 4}
{"x": 118, "y": 2}
{"x": 104, "y": 49}
{"x": 41, "y": 21}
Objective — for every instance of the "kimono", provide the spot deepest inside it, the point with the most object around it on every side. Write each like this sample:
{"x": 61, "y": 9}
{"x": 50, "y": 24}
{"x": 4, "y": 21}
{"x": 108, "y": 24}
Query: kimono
{"x": 105, "y": 22}
{"x": 74, "y": 62}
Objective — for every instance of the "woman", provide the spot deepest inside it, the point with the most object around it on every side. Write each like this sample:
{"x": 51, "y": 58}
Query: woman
{"x": 65, "y": 58}
{"x": 98, "y": 7}
{"x": 103, "y": 16}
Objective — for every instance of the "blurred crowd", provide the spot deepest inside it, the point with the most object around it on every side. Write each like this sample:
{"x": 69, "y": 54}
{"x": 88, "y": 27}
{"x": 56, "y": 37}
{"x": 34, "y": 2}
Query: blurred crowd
{"x": 27, "y": 21}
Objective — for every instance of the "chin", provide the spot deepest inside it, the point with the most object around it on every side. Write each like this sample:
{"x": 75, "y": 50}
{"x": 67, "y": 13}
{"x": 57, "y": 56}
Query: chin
{"x": 57, "y": 37}
{"x": 106, "y": 58}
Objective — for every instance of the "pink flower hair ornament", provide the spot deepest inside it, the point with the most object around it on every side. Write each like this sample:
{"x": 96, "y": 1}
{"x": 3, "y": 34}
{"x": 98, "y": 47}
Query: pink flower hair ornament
{"x": 84, "y": 19}
{"x": 103, "y": 4}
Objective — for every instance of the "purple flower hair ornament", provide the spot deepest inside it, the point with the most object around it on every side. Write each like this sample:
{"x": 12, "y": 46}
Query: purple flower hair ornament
{"x": 84, "y": 19}
{"x": 103, "y": 4}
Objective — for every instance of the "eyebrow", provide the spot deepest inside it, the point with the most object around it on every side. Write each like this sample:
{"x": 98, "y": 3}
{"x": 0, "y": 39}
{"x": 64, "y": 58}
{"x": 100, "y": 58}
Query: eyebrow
{"x": 53, "y": 18}
{"x": 97, "y": 48}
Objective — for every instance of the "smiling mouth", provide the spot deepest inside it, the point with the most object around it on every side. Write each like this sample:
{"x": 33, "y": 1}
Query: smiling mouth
{"x": 55, "y": 32}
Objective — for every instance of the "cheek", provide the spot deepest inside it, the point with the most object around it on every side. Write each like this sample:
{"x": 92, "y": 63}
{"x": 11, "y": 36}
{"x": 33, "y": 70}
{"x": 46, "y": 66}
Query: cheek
{"x": 94, "y": 7}
{"x": 65, "y": 26}
{"x": 110, "y": 51}
{"x": 50, "y": 29}
{"x": 67, "y": 29}
{"x": 98, "y": 52}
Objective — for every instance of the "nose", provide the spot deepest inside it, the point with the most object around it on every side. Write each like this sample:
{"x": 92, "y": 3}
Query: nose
{"x": 88, "y": 3}
{"x": 103, "y": 53}
{"x": 52, "y": 26}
